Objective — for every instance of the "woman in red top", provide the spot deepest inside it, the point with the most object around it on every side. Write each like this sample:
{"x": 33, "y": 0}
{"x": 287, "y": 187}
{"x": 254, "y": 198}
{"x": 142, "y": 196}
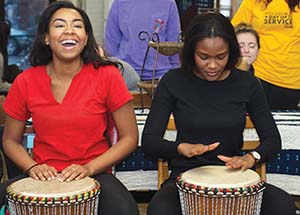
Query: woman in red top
{"x": 70, "y": 93}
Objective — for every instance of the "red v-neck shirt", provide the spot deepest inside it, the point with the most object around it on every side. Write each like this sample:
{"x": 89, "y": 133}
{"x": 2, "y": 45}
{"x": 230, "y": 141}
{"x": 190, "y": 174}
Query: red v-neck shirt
{"x": 70, "y": 132}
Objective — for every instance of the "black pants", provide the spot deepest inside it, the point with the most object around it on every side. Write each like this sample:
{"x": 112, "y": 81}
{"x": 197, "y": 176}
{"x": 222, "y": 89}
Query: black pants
{"x": 280, "y": 98}
{"x": 166, "y": 201}
{"x": 114, "y": 198}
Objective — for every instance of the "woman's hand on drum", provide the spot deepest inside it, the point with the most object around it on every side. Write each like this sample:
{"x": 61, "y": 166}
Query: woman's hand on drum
{"x": 238, "y": 162}
{"x": 190, "y": 150}
{"x": 74, "y": 172}
{"x": 43, "y": 172}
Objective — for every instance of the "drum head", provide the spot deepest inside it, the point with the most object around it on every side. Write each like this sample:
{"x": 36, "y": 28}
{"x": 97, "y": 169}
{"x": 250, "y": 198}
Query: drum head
{"x": 220, "y": 177}
{"x": 53, "y": 188}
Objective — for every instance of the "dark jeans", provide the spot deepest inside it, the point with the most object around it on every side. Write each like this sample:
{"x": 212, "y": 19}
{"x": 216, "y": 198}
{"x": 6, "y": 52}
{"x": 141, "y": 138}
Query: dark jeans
{"x": 166, "y": 201}
{"x": 114, "y": 199}
{"x": 280, "y": 98}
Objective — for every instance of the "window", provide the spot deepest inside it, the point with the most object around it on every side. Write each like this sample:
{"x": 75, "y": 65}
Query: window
{"x": 23, "y": 17}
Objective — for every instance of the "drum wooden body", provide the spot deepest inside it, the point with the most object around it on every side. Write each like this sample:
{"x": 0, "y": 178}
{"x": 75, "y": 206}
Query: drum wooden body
{"x": 216, "y": 190}
{"x": 34, "y": 197}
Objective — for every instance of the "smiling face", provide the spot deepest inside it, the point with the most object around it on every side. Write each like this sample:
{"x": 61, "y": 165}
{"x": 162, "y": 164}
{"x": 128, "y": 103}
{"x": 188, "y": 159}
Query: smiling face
{"x": 248, "y": 46}
{"x": 67, "y": 36}
{"x": 211, "y": 57}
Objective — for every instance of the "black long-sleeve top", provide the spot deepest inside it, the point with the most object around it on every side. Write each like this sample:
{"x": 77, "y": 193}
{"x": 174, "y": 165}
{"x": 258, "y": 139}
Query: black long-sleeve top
{"x": 206, "y": 112}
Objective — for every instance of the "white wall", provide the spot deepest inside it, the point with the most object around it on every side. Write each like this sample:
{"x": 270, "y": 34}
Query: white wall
{"x": 98, "y": 11}
{"x": 225, "y": 7}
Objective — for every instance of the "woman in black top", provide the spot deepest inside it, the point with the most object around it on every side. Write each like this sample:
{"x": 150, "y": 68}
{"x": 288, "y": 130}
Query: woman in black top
{"x": 209, "y": 99}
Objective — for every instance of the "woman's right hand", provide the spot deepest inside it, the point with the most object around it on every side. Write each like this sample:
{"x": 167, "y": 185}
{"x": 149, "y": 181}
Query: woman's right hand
{"x": 43, "y": 172}
{"x": 191, "y": 150}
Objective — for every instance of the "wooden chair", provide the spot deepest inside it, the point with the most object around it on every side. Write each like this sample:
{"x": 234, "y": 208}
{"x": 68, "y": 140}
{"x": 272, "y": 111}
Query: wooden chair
{"x": 141, "y": 100}
{"x": 163, "y": 170}
{"x": 4, "y": 173}
{"x": 3, "y": 166}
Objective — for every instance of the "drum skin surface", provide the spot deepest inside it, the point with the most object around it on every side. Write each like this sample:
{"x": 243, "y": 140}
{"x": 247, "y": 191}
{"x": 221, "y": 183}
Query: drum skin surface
{"x": 35, "y": 197}
{"x": 220, "y": 177}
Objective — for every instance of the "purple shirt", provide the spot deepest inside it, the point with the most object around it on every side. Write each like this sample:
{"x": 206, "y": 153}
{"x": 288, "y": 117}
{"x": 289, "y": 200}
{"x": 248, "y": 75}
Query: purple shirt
{"x": 127, "y": 18}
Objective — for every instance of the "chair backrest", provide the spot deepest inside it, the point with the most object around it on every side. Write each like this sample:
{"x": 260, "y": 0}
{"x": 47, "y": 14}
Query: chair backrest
{"x": 3, "y": 170}
{"x": 141, "y": 100}
{"x": 111, "y": 132}
{"x": 163, "y": 170}
{"x": 3, "y": 166}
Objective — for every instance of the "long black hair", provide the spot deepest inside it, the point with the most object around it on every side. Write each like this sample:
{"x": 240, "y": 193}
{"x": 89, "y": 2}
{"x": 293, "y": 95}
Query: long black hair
{"x": 41, "y": 54}
{"x": 208, "y": 25}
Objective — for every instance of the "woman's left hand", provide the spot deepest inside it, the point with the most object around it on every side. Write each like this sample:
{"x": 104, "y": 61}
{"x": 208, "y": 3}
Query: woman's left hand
{"x": 74, "y": 172}
{"x": 238, "y": 162}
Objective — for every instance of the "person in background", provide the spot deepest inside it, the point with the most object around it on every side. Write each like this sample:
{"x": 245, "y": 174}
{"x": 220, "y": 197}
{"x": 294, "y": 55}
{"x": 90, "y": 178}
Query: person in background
{"x": 277, "y": 65}
{"x": 209, "y": 99}
{"x": 4, "y": 33}
{"x": 129, "y": 74}
{"x": 127, "y": 18}
{"x": 71, "y": 92}
{"x": 248, "y": 40}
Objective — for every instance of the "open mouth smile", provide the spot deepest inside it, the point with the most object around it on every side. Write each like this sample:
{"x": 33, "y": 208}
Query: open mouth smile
{"x": 69, "y": 43}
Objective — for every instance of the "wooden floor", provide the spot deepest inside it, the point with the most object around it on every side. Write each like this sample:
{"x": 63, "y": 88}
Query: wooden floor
{"x": 143, "y": 198}
{"x": 297, "y": 203}
{"x": 143, "y": 208}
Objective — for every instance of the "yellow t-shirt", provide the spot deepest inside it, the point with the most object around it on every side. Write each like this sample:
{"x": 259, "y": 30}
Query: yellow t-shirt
{"x": 278, "y": 61}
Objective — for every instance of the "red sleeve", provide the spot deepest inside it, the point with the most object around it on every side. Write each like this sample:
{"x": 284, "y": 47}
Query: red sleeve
{"x": 118, "y": 93}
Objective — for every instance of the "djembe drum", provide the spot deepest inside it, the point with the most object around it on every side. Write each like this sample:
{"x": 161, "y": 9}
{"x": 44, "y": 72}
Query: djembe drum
{"x": 217, "y": 190}
{"x": 34, "y": 197}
